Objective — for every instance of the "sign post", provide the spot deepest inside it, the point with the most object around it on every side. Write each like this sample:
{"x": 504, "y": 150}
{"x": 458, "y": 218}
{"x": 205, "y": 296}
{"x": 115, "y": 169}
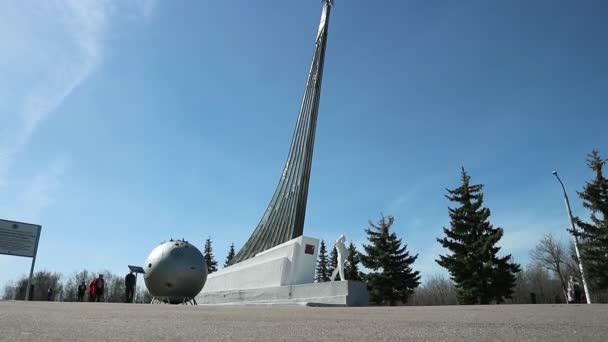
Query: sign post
{"x": 20, "y": 239}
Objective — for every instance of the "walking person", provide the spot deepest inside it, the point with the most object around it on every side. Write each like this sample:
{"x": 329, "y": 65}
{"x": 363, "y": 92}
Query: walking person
{"x": 578, "y": 292}
{"x": 82, "y": 288}
{"x": 92, "y": 290}
{"x": 571, "y": 292}
{"x": 100, "y": 286}
{"x": 49, "y": 294}
{"x": 130, "y": 287}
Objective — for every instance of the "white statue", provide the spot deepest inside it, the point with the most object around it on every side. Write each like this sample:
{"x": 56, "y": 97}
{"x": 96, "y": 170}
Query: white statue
{"x": 342, "y": 255}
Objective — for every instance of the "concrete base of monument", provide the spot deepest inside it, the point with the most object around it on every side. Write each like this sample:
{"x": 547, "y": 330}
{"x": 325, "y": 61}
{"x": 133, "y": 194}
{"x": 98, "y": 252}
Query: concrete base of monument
{"x": 289, "y": 263}
{"x": 281, "y": 275}
{"x": 339, "y": 293}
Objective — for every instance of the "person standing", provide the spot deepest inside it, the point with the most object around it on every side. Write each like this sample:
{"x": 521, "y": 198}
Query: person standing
{"x": 82, "y": 288}
{"x": 92, "y": 290}
{"x": 578, "y": 292}
{"x": 130, "y": 287}
{"x": 570, "y": 291}
{"x": 100, "y": 286}
{"x": 49, "y": 294}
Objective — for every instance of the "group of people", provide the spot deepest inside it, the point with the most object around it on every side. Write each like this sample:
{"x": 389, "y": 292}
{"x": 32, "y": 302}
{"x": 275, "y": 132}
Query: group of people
{"x": 95, "y": 290}
{"x": 97, "y": 286}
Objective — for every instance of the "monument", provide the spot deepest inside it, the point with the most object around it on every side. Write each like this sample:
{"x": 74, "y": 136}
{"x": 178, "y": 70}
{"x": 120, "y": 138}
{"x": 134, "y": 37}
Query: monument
{"x": 284, "y": 217}
{"x": 277, "y": 263}
{"x": 343, "y": 254}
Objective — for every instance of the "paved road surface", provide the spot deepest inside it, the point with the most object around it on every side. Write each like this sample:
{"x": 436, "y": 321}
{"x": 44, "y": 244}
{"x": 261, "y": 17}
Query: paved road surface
{"x": 43, "y": 321}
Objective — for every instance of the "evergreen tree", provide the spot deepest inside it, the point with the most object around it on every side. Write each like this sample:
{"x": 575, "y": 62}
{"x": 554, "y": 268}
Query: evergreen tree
{"x": 209, "y": 259}
{"x": 480, "y": 276}
{"x": 230, "y": 255}
{"x": 351, "y": 270}
{"x": 594, "y": 234}
{"x": 392, "y": 278}
{"x": 322, "y": 272}
{"x": 333, "y": 263}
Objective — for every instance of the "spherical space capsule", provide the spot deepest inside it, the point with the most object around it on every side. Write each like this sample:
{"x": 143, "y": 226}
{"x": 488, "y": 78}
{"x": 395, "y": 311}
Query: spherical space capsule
{"x": 175, "y": 272}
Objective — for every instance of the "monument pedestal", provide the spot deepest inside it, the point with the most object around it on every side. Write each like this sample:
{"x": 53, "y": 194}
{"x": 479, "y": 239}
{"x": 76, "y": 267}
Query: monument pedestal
{"x": 289, "y": 263}
{"x": 280, "y": 275}
{"x": 338, "y": 293}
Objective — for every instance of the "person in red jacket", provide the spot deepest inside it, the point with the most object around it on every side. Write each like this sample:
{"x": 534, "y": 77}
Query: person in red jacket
{"x": 100, "y": 286}
{"x": 92, "y": 290}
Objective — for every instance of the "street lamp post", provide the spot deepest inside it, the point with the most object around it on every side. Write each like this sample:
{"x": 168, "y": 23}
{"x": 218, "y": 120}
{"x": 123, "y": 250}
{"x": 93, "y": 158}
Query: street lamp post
{"x": 573, "y": 229}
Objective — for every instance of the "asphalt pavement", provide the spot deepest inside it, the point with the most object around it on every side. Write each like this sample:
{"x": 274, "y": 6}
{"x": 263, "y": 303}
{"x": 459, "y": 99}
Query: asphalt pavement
{"x": 54, "y": 321}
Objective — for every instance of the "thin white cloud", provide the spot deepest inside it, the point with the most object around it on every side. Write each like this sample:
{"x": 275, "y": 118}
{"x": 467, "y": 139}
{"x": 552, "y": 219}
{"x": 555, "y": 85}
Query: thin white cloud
{"x": 146, "y": 7}
{"x": 406, "y": 197}
{"x": 426, "y": 263}
{"x": 521, "y": 235}
{"x": 48, "y": 49}
{"x": 80, "y": 26}
{"x": 514, "y": 241}
{"x": 38, "y": 194}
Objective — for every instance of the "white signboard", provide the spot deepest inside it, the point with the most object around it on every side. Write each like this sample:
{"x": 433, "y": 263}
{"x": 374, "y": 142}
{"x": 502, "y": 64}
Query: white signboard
{"x": 18, "y": 238}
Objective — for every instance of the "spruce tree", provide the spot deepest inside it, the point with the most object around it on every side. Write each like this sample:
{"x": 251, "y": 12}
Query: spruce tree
{"x": 392, "y": 278}
{"x": 333, "y": 263}
{"x": 594, "y": 234}
{"x": 230, "y": 255}
{"x": 322, "y": 272}
{"x": 351, "y": 270}
{"x": 480, "y": 276}
{"x": 209, "y": 259}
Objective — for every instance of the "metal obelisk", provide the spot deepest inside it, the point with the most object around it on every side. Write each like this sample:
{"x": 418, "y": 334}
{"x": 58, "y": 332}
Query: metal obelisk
{"x": 284, "y": 217}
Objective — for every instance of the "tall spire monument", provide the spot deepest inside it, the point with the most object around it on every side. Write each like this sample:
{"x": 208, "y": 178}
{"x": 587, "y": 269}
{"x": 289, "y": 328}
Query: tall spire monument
{"x": 277, "y": 263}
{"x": 283, "y": 220}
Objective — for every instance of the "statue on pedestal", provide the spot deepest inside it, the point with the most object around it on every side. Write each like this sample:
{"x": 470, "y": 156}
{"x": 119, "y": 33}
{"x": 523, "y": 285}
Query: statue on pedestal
{"x": 342, "y": 255}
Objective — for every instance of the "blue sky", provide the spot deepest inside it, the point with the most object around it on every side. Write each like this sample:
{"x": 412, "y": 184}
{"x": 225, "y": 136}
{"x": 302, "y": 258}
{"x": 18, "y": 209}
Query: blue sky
{"x": 127, "y": 123}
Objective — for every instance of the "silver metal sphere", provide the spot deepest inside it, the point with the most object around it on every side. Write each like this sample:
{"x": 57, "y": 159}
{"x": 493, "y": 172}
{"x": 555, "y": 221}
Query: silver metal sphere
{"x": 175, "y": 272}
